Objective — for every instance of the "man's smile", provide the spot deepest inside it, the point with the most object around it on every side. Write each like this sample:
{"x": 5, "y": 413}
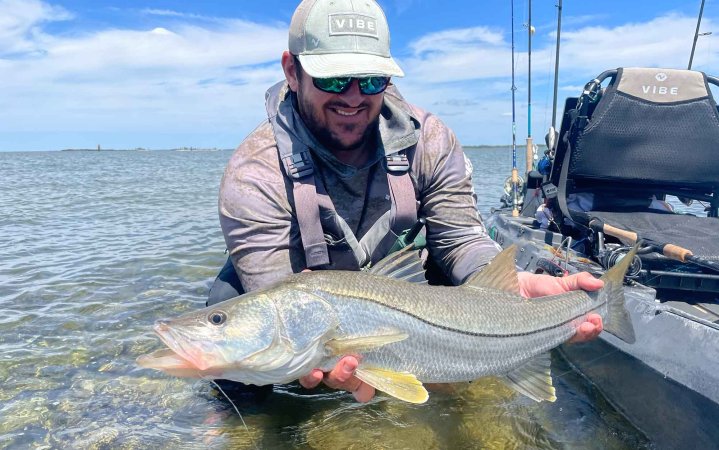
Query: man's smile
{"x": 346, "y": 112}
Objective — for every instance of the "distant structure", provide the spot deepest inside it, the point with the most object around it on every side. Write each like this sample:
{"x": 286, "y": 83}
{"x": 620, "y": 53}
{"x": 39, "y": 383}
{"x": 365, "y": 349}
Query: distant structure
{"x": 98, "y": 147}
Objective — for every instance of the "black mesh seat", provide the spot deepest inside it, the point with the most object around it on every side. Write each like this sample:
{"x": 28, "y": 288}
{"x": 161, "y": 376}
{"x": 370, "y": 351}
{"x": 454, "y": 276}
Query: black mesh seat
{"x": 648, "y": 134}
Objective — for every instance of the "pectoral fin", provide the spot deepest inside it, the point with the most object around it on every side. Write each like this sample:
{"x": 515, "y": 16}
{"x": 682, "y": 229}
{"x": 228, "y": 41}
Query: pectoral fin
{"x": 348, "y": 345}
{"x": 401, "y": 385}
{"x": 533, "y": 379}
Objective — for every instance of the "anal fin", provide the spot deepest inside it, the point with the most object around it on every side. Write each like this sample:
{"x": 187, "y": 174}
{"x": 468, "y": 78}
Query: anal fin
{"x": 402, "y": 385}
{"x": 534, "y": 379}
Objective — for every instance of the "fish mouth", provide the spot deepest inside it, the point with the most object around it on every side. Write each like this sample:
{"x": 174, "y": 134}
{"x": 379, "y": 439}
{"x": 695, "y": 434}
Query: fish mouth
{"x": 181, "y": 346}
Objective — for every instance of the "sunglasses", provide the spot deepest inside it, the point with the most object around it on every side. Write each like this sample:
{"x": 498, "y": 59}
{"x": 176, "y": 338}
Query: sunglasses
{"x": 338, "y": 85}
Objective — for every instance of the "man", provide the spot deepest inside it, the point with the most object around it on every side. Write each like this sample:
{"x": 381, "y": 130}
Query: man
{"x": 343, "y": 166}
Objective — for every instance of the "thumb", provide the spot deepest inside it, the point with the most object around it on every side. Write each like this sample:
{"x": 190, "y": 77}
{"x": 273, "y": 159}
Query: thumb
{"x": 582, "y": 280}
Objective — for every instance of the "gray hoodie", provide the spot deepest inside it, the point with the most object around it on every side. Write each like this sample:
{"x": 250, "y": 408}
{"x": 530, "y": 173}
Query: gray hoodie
{"x": 257, "y": 208}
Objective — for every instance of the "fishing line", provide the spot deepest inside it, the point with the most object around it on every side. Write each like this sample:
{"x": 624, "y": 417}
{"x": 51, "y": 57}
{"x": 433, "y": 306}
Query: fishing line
{"x": 591, "y": 361}
{"x": 254, "y": 444}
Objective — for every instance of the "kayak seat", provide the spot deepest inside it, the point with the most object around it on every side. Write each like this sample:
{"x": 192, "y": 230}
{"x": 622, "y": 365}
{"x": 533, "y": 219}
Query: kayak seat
{"x": 624, "y": 148}
{"x": 651, "y": 132}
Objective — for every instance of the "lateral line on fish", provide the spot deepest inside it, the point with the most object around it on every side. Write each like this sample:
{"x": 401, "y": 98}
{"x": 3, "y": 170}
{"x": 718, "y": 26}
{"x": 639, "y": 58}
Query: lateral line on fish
{"x": 467, "y": 333}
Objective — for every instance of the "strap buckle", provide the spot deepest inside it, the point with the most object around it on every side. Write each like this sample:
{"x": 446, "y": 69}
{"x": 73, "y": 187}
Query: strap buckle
{"x": 298, "y": 165}
{"x": 549, "y": 190}
{"x": 397, "y": 162}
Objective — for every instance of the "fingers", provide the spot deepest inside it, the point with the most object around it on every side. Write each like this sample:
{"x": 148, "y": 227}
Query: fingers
{"x": 596, "y": 319}
{"x": 364, "y": 393}
{"x": 582, "y": 280}
{"x": 312, "y": 380}
{"x": 341, "y": 377}
{"x": 588, "y": 330}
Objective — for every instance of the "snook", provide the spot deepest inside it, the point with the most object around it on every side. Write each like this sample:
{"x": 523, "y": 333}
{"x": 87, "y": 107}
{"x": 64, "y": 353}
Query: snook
{"x": 405, "y": 332}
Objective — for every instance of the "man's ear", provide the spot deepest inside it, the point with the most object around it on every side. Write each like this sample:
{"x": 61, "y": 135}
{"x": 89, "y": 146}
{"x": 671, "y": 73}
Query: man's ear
{"x": 288, "y": 66}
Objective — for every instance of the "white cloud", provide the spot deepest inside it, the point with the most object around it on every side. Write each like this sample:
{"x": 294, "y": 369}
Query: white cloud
{"x": 480, "y": 53}
{"x": 457, "y": 40}
{"x": 464, "y": 75}
{"x": 186, "y": 73}
{"x": 19, "y": 22}
{"x": 172, "y": 78}
{"x": 662, "y": 42}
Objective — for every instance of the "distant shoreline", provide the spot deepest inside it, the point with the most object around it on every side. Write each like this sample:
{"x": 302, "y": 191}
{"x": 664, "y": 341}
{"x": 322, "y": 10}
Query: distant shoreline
{"x": 487, "y": 147}
{"x": 215, "y": 149}
{"x": 141, "y": 149}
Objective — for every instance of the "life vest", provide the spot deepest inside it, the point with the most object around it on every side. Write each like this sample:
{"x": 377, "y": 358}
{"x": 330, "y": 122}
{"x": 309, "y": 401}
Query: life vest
{"x": 338, "y": 248}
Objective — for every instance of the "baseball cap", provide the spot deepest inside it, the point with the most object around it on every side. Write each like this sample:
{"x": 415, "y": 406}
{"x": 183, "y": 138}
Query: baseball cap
{"x": 338, "y": 38}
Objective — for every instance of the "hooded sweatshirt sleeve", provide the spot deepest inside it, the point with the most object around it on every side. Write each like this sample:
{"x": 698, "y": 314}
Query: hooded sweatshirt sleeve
{"x": 456, "y": 236}
{"x": 256, "y": 215}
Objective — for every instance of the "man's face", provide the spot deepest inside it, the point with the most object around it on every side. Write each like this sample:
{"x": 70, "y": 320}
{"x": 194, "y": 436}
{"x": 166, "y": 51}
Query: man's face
{"x": 341, "y": 122}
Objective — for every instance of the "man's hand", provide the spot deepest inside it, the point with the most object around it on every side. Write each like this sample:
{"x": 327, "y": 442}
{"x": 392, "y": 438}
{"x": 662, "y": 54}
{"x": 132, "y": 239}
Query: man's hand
{"x": 533, "y": 285}
{"x": 341, "y": 377}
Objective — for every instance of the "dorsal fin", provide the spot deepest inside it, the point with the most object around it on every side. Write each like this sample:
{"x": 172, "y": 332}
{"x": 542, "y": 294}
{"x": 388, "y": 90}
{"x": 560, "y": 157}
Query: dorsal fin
{"x": 403, "y": 265}
{"x": 500, "y": 273}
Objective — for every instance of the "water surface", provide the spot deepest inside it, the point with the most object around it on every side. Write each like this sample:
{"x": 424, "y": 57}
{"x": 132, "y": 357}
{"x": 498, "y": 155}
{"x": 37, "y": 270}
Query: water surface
{"x": 95, "y": 246}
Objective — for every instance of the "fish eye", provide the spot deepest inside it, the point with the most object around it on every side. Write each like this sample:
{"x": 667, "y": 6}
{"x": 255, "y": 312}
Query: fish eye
{"x": 217, "y": 317}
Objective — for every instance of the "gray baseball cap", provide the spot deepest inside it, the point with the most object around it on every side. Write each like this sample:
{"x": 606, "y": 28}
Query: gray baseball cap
{"x": 335, "y": 38}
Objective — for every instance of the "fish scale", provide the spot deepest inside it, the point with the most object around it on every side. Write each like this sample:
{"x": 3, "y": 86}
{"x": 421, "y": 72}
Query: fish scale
{"x": 466, "y": 309}
{"x": 437, "y": 354}
{"x": 403, "y": 331}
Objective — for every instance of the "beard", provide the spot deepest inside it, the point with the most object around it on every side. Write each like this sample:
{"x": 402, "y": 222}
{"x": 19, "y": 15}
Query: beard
{"x": 324, "y": 135}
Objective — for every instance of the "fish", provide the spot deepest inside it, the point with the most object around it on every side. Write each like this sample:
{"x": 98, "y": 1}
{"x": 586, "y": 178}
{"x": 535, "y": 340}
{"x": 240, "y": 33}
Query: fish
{"x": 404, "y": 332}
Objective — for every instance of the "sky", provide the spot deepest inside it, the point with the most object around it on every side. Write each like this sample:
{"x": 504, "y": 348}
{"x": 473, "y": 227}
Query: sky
{"x": 125, "y": 74}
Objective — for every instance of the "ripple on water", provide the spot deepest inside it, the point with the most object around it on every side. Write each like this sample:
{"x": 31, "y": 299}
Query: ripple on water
{"x": 98, "y": 245}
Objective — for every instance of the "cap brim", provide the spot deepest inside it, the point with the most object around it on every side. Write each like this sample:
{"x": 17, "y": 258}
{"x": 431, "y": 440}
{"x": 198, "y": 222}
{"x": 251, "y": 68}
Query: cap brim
{"x": 349, "y": 65}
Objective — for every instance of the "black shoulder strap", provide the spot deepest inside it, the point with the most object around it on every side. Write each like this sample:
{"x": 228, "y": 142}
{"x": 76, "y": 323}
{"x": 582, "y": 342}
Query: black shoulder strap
{"x": 298, "y": 166}
{"x": 403, "y": 214}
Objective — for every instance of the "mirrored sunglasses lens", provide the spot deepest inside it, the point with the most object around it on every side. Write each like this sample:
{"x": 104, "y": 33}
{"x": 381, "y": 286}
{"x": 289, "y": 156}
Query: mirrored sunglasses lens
{"x": 373, "y": 85}
{"x": 335, "y": 85}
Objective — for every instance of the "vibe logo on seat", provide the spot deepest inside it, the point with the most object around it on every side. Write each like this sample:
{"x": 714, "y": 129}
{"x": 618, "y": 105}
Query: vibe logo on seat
{"x": 661, "y": 90}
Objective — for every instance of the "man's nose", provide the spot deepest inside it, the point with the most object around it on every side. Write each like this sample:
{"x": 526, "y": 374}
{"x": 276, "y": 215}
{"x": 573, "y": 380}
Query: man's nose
{"x": 353, "y": 96}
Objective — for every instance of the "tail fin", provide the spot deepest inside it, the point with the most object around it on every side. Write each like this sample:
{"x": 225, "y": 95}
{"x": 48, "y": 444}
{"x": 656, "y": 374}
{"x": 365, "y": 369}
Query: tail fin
{"x": 618, "y": 321}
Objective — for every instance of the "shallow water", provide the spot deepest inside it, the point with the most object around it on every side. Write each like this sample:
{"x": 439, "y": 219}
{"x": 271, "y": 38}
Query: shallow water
{"x": 95, "y": 246}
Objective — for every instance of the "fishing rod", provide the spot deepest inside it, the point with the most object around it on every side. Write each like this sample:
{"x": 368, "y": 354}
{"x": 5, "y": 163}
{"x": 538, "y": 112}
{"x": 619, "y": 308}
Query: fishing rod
{"x": 556, "y": 70}
{"x": 696, "y": 35}
{"x": 669, "y": 250}
{"x": 515, "y": 174}
{"x": 544, "y": 166}
{"x": 530, "y": 142}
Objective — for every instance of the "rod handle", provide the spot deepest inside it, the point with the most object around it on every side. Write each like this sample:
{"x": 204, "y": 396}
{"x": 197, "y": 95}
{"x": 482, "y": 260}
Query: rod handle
{"x": 627, "y": 237}
{"x": 675, "y": 252}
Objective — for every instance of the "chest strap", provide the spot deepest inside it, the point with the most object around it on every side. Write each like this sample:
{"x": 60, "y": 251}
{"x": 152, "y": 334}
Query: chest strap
{"x": 403, "y": 214}
{"x": 298, "y": 165}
